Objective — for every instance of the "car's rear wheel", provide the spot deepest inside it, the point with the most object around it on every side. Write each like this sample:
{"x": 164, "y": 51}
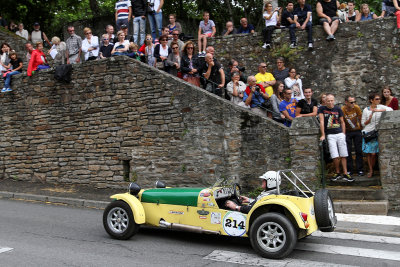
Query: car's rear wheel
{"x": 118, "y": 220}
{"x": 324, "y": 211}
{"x": 272, "y": 235}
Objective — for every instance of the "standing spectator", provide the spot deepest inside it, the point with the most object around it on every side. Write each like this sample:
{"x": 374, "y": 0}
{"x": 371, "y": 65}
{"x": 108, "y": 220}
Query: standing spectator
{"x": 29, "y": 49}
{"x": 90, "y": 45}
{"x": 245, "y": 27}
{"x": 235, "y": 89}
{"x": 60, "y": 47}
{"x": 388, "y": 99}
{"x": 110, "y": 34}
{"x": 233, "y": 66}
{"x": 265, "y": 78}
{"x": 288, "y": 107}
{"x": 370, "y": 119}
{"x": 74, "y": 47}
{"x": 229, "y": 29}
{"x": 326, "y": 11}
{"x": 276, "y": 100}
{"x": 149, "y": 51}
{"x": 155, "y": 17}
{"x": 352, "y": 119}
{"x": 123, "y": 13}
{"x": 38, "y": 36}
{"x": 365, "y": 14}
{"x": 139, "y": 8}
{"x": 161, "y": 51}
{"x": 22, "y": 32}
{"x": 173, "y": 62}
{"x": 4, "y": 56}
{"x": 122, "y": 46}
{"x": 287, "y": 20}
{"x": 303, "y": 20}
{"x": 334, "y": 130}
{"x": 271, "y": 18}
{"x": 281, "y": 72}
{"x": 3, "y": 22}
{"x": 38, "y": 60}
{"x": 190, "y": 64}
{"x": 307, "y": 107}
{"x": 175, "y": 39}
{"x": 214, "y": 75}
{"x": 206, "y": 29}
{"x": 174, "y": 25}
{"x": 106, "y": 48}
{"x": 352, "y": 13}
{"x": 294, "y": 82}
{"x": 15, "y": 66}
{"x": 255, "y": 96}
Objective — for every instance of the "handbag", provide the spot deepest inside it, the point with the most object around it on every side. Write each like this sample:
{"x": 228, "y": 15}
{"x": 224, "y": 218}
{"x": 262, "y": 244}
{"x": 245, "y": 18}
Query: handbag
{"x": 370, "y": 136}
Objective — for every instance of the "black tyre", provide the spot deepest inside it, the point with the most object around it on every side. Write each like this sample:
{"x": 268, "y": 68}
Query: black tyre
{"x": 324, "y": 211}
{"x": 272, "y": 235}
{"x": 118, "y": 220}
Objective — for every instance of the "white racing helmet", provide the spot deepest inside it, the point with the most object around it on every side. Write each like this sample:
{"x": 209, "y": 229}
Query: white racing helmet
{"x": 272, "y": 177}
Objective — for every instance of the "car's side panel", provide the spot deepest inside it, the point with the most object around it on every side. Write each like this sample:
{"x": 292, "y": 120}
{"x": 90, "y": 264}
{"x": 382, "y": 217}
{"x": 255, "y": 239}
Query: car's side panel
{"x": 136, "y": 206}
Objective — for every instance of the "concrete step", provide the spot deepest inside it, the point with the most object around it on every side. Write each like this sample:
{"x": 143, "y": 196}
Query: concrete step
{"x": 377, "y": 207}
{"x": 359, "y": 181}
{"x": 357, "y": 192}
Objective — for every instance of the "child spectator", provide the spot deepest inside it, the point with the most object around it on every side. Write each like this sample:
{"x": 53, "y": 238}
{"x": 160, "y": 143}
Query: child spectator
{"x": 133, "y": 52}
{"x": 122, "y": 46}
{"x": 190, "y": 64}
{"x": 38, "y": 60}
{"x": 365, "y": 14}
{"x": 288, "y": 107}
{"x": 245, "y": 27}
{"x": 38, "y": 36}
{"x": 271, "y": 18}
{"x": 149, "y": 51}
{"x": 4, "y": 56}
{"x": 294, "y": 83}
{"x": 106, "y": 48}
{"x": 90, "y": 45}
{"x": 60, "y": 47}
{"x": 173, "y": 25}
{"x": 155, "y": 17}
{"x": 206, "y": 29}
{"x": 123, "y": 13}
{"x": 22, "y": 32}
{"x": 388, "y": 99}
{"x": 15, "y": 66}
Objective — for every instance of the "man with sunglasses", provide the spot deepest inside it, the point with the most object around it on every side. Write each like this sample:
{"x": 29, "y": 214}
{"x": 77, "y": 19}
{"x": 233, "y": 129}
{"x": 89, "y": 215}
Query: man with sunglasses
{"x": 175, "y": 39}
{"x": 74, "y": 47}
{"x": 352, "y": 118}
{"x": 265, "y": 78}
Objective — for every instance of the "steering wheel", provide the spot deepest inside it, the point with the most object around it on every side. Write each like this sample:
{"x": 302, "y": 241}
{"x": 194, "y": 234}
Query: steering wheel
{"x": 236, "y": 192}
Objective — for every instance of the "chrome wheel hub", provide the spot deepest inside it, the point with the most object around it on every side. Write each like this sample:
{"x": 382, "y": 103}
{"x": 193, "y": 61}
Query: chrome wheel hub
{"x": 271, "y": 236}
{"x": 118, "y": 220}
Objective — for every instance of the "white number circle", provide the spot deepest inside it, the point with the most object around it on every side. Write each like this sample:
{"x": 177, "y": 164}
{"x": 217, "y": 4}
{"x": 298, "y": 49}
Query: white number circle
{"x": 234, "y": 223}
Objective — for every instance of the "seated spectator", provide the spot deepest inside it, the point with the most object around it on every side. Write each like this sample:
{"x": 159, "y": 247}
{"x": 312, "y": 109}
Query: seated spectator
{"x": 294, "y": 83}
{"x": 245, "y": 27}
{"x": 271, "y": 18}
{"x": 233, "y": 66}
{"x": 175, "y": 38}
{"x": 326, "y": 11}
{"x": 206, "y": 29}
{"x": 288, "y": 107}
{"x": 13, "y": 27}
{"x": 139, "y": 10}
{"x": 22, "y": 32}
{"x": 60, "y": 47}
{"x": 303, "y": 20}
{"x": 173, "y": 62}
{"x": 161, "y": 51}
{"x": 351, "y": 13}
{"x": 235, "y": 89}
{"x": 213, "y": 75}
{"x": 90, "y": 45}
{"x": 190, "y": 64}
{"x": 287, "y": 20}
{"x": 124, "y": 29}
{"x": 388, "y": 99}
{"x": 149, "y": 51}
{"x": 308, "y": 106}
{"x": 38, "y": 60}
{"x": 133, "y": 52}
{"x": 265, "y": 78}
{"x": 255, "y": 96}
{"x": 15, "y": 67}
{"x": 365, "y": 14}
{"x": 276, "y": 100}
{"x": 4, "y": 56}
{"x": 391, "y": 8}
{"x": 173, "y": 25}
{"x": 281, "y": 72}
{"x": 165, "y": 31}
{"x": 106, "y": 48}
{"x": 121, "y": 47}
{"x": 74, "y": 47}
{"x": 38, "y": 36}
{"x": 229, "y": 29}
{"x": 3, "y": 22}
{"x": 110, "y": 34}
{"x": 29, "y": 49}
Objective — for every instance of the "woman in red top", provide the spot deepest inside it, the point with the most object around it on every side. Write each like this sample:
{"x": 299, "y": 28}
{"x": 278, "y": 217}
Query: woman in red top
{"x": 388, "y": 99}
{"x": 38, "y": 60}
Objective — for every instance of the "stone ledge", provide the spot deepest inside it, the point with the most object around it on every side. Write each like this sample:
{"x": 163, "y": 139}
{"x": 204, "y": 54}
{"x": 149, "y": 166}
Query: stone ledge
{"x": 362, "y": 207}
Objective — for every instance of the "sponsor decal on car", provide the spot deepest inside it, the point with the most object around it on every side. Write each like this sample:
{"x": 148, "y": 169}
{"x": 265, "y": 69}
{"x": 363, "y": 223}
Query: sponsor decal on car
{"x": 234, "y": 223}
{"x": 176, "y": 212}
{"x": 223, "y": 192}
{"x": 203, "y": 217}
{"x": 215, "y": 218}
{"x": 210, "y": 204}
{"x": 206, "y": 199}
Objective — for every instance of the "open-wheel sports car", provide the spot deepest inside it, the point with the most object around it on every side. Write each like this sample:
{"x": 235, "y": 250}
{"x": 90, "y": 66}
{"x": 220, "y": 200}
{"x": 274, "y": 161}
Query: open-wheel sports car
{"x": 277, "y": 219}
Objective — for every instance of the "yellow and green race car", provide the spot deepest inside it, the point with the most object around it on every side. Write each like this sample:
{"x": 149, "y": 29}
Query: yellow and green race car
{"x": 276, "y": 219}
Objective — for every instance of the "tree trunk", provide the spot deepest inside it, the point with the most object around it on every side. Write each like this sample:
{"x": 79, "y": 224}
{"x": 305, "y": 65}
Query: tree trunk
{"x": 228, "y": 4}
{"x": 94, "y": 7}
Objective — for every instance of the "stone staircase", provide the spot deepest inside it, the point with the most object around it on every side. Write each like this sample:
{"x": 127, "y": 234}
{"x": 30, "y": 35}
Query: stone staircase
{"x": 363, "y": 196}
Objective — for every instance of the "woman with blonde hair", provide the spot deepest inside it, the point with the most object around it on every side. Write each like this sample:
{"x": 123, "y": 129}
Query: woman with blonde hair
{"x": 122, "y": 46}
{"x": 149, "y": 50}
{"x": 58, "y": 50}
{"x": 90, "y": 45}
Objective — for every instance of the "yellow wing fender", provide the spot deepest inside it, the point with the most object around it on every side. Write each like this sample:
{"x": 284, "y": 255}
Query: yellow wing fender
{"x": 134, "y": 204}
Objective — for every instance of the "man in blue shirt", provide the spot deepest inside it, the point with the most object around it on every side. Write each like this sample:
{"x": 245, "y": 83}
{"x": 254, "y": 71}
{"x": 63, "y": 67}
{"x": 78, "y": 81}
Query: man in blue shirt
{"x": 245, "y": 27}
{"x": 288, "y": 107}
{"x": 303, "y": 20}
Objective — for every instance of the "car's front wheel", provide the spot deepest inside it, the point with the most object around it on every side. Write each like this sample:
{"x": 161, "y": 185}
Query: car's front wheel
{"x": 272, "y": 235}
{"x": 118, "y": 220}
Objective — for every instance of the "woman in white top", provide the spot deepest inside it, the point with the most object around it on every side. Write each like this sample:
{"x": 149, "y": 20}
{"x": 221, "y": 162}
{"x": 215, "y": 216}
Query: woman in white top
{"x": 22, "y": 32}
{"x": 369, "y": 120}
{"x": 235, "y": 89}
{"x": 60, "y": 47}
{"x": 122, "y": 46}
{"x": 5, "y": 49}
{"x": 294, "y": 83}
{"x": 90, "y": 45}
{"x": 271, "y": 18}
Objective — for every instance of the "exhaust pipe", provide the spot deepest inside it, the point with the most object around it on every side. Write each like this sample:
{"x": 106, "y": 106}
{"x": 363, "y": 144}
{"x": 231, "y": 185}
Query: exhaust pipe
{"x": 184, "y": 227}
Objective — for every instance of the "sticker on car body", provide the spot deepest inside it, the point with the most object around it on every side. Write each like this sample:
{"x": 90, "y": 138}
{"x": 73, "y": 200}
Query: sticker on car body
{"x": 234, "y": 223}
{"x": 215, "y": 218}
{"x": 176, "y": 212}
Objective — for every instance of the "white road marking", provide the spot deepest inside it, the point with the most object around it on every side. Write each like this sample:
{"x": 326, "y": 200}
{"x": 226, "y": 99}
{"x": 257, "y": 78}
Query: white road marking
{"x": 5, "y": 249}
{"x": 359, "y": 237}
{"x": 374, "y": 219}
{"x": 255, "y": 260}
{"x": 350, "y": 251}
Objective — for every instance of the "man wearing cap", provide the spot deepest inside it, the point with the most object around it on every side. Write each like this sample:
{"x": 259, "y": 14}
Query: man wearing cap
{"x": 74, "y": 47}
{"x": 38, "y": 36}
{"x": 123, "y": 13}
{"x": 124, "y": 28}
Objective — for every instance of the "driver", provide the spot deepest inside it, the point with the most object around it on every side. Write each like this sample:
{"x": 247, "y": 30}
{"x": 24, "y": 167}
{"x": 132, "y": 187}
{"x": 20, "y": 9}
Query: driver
{"x": 270, "y": 180}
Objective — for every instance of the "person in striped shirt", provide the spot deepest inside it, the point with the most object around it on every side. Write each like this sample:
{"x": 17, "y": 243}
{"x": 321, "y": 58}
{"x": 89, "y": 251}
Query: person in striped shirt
{"x": 123, "y": 13}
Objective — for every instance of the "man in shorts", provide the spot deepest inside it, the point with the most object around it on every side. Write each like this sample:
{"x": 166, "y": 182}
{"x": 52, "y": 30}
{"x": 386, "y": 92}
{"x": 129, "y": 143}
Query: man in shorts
{"x": 333, "y": 128}
{"x": 326, "y": 11}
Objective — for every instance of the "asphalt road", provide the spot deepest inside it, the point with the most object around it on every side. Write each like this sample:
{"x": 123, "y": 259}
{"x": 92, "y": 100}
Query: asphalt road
{"x": 38, "y": 234}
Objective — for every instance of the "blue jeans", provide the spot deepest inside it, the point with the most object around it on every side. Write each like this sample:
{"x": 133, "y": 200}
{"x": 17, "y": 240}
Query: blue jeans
{"x": 139, "y": 26}
{"x": 7, "y": 82}
{"x": 292, "y": 29}
{"x": 155, "y": 23}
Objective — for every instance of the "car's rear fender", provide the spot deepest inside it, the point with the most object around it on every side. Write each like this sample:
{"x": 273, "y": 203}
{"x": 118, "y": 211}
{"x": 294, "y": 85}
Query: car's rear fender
{"x": 134, "y": 203}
